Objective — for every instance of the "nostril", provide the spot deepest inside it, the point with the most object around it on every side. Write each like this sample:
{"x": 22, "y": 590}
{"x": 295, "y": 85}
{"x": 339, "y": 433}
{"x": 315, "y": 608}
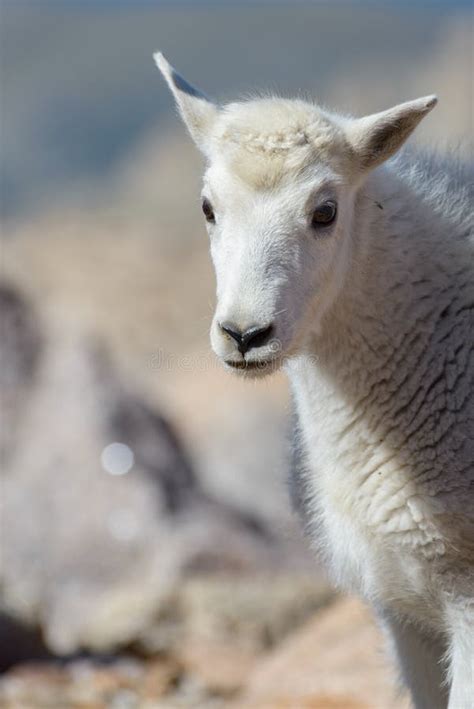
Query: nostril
{"x": 232, "y": 331}
{"x": 257, "y": 337}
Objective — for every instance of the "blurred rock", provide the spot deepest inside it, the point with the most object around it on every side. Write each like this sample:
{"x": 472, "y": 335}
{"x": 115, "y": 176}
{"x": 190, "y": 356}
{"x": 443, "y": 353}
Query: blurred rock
{"x": 230, "y": 622}
{"x": 123, "y": 683}
{"x": 243, "y": 612}
{"x": 336, "y": 661}
{"x": 220, "y": 627}
{"x": 237, "y": 612}
{"x": 102, "y": 511}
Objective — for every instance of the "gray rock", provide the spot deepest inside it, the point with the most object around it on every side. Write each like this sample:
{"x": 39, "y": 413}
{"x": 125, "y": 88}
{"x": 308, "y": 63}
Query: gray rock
{"x": 102, "y": 512}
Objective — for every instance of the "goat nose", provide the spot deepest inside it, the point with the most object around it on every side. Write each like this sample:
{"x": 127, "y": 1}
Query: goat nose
{"x": 254, "y": 336}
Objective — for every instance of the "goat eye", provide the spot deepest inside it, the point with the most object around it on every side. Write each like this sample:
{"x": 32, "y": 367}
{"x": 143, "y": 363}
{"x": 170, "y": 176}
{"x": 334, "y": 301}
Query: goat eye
{"x": 208, "y": 211}
{"x": 324, "y": 214}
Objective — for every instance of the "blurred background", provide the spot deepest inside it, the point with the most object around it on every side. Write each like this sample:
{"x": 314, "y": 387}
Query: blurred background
{"x": 149, "y": 557}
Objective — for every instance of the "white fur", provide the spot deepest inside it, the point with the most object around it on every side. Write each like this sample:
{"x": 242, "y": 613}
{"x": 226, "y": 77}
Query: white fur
{"x": 373, "y": 321}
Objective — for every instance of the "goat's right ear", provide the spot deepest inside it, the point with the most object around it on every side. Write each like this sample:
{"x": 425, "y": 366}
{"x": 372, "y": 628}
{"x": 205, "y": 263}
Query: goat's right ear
{"x": 377, "y": 137}
{"x": 197, "y": 111}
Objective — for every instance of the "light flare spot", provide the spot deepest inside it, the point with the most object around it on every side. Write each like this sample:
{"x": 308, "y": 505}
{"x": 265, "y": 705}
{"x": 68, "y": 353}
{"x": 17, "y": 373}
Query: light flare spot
{"x": 117, "y": 459}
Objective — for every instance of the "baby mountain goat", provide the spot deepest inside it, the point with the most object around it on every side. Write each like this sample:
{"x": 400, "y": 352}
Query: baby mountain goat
{"x": 356, "y": 275}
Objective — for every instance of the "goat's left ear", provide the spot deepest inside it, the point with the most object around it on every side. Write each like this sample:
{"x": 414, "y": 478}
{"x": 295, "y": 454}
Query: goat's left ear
{"x": 377, "y": 137}
{"x": 197, "y": 111}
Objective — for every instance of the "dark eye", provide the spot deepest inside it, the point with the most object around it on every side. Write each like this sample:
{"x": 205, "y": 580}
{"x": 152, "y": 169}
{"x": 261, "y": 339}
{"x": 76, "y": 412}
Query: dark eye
{"x": 208, "y": 210}
{"x": 324, "y": 214}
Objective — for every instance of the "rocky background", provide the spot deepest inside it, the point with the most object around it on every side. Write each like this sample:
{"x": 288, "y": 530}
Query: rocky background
{"x": 149, "y": 557}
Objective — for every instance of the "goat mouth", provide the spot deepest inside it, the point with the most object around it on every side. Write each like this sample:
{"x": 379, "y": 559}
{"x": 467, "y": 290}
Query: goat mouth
{"x": 249, "y": 366}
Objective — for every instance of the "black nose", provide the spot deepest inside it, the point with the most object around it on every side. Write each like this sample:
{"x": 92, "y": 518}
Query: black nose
{"x": 253, "y": 337}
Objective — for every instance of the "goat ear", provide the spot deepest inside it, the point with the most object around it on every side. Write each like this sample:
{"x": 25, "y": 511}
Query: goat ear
{"x": 377, "y": 137}
{"x": 197, "y": 111}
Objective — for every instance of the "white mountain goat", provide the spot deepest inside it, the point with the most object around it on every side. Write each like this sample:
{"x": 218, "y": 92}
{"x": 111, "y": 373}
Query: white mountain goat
{"x": 356, "y": 275}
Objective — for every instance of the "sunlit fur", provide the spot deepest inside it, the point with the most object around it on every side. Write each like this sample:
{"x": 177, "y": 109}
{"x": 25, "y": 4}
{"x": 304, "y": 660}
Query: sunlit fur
{"x": 374, "y": 323}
